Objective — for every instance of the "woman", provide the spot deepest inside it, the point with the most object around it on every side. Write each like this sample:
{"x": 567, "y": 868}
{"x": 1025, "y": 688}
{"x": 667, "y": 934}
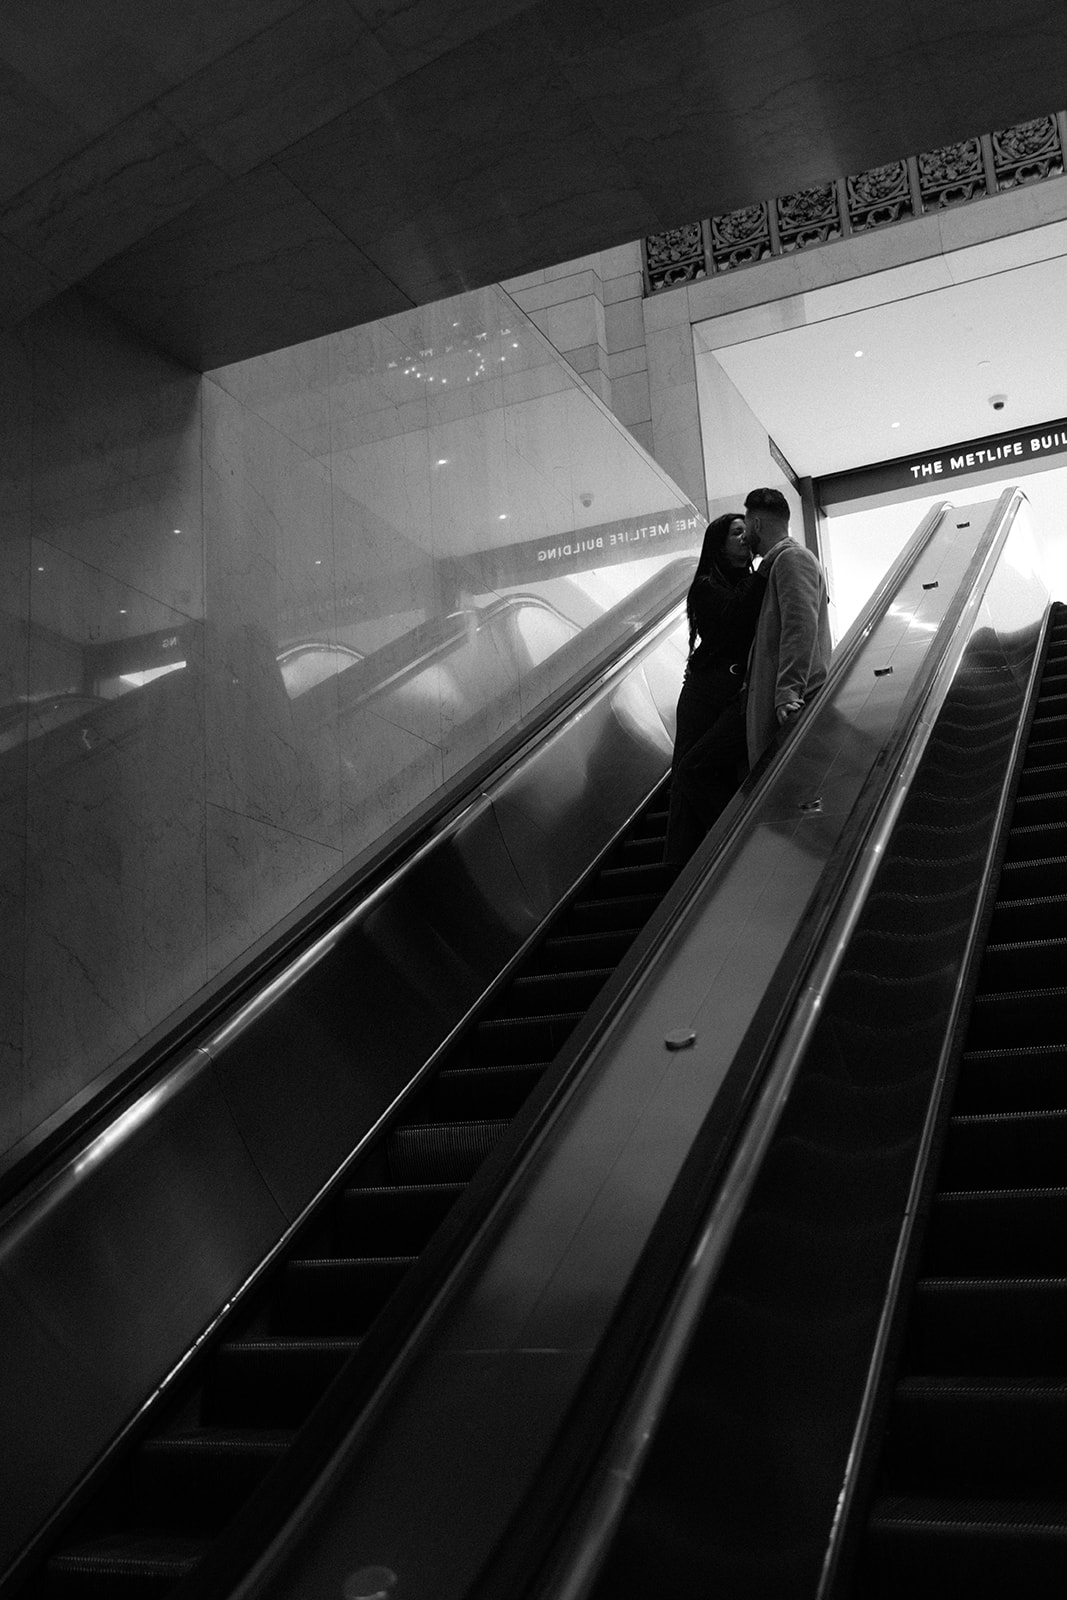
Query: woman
{"x": 722, "y": 606}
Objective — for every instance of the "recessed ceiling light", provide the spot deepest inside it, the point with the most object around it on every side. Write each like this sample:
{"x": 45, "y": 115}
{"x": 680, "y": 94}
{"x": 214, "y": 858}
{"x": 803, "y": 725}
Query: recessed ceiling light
{"x": 503, "y": 517}
{"x": 858, "y": 353}
{"x": 894, "y": 424}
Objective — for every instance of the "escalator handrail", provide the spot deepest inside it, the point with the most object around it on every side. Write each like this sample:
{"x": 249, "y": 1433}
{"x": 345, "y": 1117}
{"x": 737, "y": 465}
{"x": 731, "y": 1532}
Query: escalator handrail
{"x": 775, "y": 1063}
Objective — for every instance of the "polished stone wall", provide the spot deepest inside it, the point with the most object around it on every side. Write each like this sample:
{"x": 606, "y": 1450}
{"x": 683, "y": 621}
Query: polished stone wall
{"x": 251, "y": 620}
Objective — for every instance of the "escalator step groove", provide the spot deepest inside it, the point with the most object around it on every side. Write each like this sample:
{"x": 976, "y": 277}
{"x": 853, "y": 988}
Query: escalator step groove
{"x": 272, "y": 1382}
{"x": 1005, "y": 1149}
{"x": 334, "y": 1296}
{"x": 1030, "y": 1078}
{"x": 1034, "y": 878}
{"x": 556, "y": 991}
{"x": 653, "y": 877}
{"x": 1016, "y": 1017}
{"x": 1031, "y": 961}
{"x": 577, "y": 951}
{"x": 997, "y": 1326}
{"x": 640, "y": 852}
{"x": 399, "y": 1218}
{"x": 133, "y": 1566}
{"x": 976, "y": 1437}
{"x": 1037, "y": 841}
{"x": 442, "y": 1151}
{"x": 933, "y": 1549}
{"x": 487, "y": 1092}
{"x": 997, "y": 1232}
{"x": 1036, "y": 777}
{"x": 510, "y": 1041}
{"x": 1036, "y": 917}
{"x": 606, "y": 915}
{"x": 1045, "y": 807}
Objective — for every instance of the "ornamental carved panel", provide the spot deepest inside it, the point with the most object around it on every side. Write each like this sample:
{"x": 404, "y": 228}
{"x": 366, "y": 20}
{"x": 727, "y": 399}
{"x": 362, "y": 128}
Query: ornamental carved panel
{"x": 878, "y": 196}
{"x": 738, "y": 238}
{"x": 810, "y": 216}
{"x": 951, "y": 175}
{"x": 866, "y": 200}
{"x": 1027, "y": 152}
{"x": 676, "y": 256}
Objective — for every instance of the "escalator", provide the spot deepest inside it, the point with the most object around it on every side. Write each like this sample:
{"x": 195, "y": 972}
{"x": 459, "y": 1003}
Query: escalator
{"x": 478, "y": 1373}
{"x": 228, "y": 1429}
{"x": 971, "y": 1494}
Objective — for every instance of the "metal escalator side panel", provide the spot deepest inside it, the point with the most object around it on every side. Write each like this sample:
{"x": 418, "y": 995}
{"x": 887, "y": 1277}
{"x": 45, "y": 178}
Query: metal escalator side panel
{"x": 171, "y": 1209}
{"x": 90, "y": 1321}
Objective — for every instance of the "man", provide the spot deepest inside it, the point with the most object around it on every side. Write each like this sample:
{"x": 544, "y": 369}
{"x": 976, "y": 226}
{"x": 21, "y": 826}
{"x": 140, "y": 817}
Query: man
{"x": 791, "y": 651}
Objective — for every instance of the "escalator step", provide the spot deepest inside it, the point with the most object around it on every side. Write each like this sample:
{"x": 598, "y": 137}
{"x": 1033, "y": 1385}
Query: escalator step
{"x": 442, "y": 1152}
{"x": 1013, "y": 1327}
{"x": 1030, "y": 963}
{"x": 400, "y": 1218}
{"x": 652, "y": 878}
{"x": 511, "y": 1041}
{"x": 542, "y": 993}
{"x": 1029, "y": 1079}
{"x": 488, "y": 1093}
{"x": 1047, "y": 750}
{"x": 652, "y": 822}
{"x": 997, "y": 1232}
{"x": 1043, "y": 806}
{"x": 124, "y": 1567}
{"x": 334, "y": 1296}
{"x": 1005, "y": 1150}
{"x": 1041, "y": 916}
{"x": 927, "y": 1549}
{"x": 1018, "y": 1017}
{"x": 606, "y": 915}
{"x": 996, "y": 1440}
{"x": 1030, "y": 880}
{"x": 640, "y": 852}
{"x": 1037, "y": 841}
{"x": 192, "y": 1481}
{"x": 574, "y": 952}
{"x": 271, "y": 1383}
{"x": 1050, "y": 776}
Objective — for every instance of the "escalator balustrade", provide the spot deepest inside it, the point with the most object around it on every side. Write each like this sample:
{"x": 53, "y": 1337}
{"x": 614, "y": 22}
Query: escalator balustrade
{"x": 148, "y": 1526}
{"x": 972, "y": 1487}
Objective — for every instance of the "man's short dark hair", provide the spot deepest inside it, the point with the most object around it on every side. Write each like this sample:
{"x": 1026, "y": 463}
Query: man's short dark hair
{"x": 772, "y": 501}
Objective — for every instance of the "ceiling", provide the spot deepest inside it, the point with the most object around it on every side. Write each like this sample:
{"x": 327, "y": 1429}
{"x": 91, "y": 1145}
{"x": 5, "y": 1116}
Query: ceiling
{"x": 235, "y": 177}
{"x": 931, "y": 361}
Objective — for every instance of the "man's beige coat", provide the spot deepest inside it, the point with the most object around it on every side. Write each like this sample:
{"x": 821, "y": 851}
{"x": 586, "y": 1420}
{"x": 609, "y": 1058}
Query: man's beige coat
{"x": 791, "y": 650}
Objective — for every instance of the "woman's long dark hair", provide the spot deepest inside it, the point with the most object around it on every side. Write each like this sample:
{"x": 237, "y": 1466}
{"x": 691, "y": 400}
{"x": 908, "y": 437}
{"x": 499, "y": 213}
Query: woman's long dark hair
{"x": 712, "y": 565}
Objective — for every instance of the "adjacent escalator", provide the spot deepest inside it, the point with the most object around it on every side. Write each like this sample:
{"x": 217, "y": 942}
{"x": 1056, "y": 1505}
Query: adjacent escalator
{"x": 150, "y": 1523}
{"x": 971, "y": 1494}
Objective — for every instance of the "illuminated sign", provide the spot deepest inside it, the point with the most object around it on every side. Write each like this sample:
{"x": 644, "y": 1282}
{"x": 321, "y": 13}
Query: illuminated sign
{"x": 955, "y": 461}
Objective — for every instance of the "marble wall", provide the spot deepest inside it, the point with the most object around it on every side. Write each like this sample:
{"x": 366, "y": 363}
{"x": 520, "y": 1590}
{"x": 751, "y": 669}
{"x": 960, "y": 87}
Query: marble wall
{"x": 252, "y": 619}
